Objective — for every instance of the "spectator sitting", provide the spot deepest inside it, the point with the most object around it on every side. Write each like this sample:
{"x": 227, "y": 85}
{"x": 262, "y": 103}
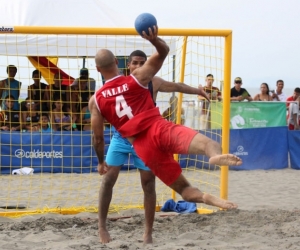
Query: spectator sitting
{"x": 264, "y": 93}
{"x": 85, "y": 117}
{"x": 57, "y": 90}
{"x": 91, "y": 81}
{"x": 44, "y": 125}
{"x": 30, "y": 118}
{"x": 237, "y": 93}
{"x": 277, "y": 94}
{"x": 62, "y": 119}
{"x": 38, "y": 91}
{"x": 12, "y": 117}
{"x": 10, "y": 87}
{"x": 294, "y": 97}
{"x": 294, "y": 115}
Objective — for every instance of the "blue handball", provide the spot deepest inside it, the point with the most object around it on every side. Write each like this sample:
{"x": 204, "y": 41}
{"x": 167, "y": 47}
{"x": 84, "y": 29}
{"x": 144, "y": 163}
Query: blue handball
{"x": 143, "y": 22}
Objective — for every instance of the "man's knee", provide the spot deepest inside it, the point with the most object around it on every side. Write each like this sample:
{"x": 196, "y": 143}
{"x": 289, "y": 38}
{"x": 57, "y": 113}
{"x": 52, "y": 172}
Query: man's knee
{"x": 147, "y": 181}
{"x": 110, "y": 178}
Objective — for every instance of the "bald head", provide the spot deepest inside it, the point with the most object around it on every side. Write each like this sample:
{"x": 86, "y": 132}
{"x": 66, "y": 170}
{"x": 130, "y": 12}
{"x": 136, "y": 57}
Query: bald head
{"x": 105, "y": 59}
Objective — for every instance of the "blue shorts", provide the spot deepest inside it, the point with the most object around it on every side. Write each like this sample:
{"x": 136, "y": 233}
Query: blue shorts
{"x": 119, "y": 150}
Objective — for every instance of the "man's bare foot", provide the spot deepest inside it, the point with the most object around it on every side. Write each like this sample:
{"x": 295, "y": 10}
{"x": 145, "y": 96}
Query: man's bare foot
{"x": 104, "y": 236}
{"x": 217, "y": 202}
{"x": 226, "y": 160}
{"x": 147, "y": 239}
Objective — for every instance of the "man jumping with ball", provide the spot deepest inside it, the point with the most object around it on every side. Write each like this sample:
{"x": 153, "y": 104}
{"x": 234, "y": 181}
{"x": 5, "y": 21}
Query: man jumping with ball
{"x": 126, "y": 103}
{"x": 120, "y": 148}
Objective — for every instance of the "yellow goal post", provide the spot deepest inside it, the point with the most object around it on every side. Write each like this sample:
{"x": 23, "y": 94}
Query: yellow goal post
{"x": 194, "y": 53}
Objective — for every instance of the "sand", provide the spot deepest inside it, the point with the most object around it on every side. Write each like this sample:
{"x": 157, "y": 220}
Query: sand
{"x": 268, "y": 218}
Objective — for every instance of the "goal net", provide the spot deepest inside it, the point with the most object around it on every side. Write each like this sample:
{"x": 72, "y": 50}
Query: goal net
{"x": 50, "y": 165}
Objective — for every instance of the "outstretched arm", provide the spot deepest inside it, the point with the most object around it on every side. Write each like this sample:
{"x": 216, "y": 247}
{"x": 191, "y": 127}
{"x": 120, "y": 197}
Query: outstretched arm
{"x": 97, "y": 123}
{"x": 145, "y": 73}
{"x": 165, "y": 86}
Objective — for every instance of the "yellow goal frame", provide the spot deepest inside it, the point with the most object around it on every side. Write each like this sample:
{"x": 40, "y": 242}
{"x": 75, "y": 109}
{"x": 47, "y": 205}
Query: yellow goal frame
{"x": 185, "y": 33}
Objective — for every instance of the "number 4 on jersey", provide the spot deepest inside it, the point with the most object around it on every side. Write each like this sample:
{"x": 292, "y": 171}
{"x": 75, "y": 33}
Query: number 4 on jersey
{"x": 122, "y": 108}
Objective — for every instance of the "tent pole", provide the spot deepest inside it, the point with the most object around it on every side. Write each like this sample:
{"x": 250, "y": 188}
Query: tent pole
{"x": 83, "y": 62}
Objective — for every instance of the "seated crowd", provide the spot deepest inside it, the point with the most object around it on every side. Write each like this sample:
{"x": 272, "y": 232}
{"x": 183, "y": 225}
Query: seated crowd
{"x": 57, "y": 107}
{"x": 53, "y": 107}
{"x": 238, "y": 94}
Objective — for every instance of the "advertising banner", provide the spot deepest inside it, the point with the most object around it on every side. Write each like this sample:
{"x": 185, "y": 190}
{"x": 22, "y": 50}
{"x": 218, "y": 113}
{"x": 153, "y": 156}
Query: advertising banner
{"x": 294, "y": 148}
{"x": 67, "y": 152}
{"x": 250, "y": 114}
{"x": 47, "y": 152}
{"x": 261, "y": 148}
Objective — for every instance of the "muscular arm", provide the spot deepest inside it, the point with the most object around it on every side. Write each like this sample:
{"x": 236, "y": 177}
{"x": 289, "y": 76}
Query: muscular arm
{"x": 97, "y": 122}
{"x": 164, "y": 86}
{"x": 145, "y": 73}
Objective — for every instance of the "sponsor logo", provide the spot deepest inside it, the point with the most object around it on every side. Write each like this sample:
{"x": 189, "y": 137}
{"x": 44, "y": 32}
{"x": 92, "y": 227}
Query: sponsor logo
{"x": 240, "y": 151}
{"x": 258, "y": 123}
{"x": 6, "y": 29}
{"x": 20, "y": 153}
{"x": 252, "y": 109}
{"x": 237, "y": 122}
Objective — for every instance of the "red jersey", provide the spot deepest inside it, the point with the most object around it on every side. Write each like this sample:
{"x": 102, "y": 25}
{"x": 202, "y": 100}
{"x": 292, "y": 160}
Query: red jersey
{"x": 127, "y": 105}
{"x": 288, "y": 100}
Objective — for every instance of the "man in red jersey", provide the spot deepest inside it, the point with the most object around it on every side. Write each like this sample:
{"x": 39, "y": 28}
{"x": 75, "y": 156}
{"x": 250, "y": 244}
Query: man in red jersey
{"x": 294, "y": 97}
{"x": 120, "y": 149}
{"x": 126, "y": 103}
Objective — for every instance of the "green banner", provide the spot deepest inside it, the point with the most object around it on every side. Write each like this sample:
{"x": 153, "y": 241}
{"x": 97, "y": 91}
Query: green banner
{"x": 250, "y": 114}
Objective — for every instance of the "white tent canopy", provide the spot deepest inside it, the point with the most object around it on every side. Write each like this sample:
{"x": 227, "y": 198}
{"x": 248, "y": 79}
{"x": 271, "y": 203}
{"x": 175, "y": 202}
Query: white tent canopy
{"x": 66, "y": 13}
{"x": 71, "y": 13}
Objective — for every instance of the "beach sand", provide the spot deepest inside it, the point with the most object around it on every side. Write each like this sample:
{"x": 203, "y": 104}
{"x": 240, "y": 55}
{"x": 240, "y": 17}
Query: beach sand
{"x": 268, "y": 218}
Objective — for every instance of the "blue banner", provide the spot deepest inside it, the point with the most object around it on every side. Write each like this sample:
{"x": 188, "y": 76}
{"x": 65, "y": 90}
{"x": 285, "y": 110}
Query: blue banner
{"x": 261, "y": 148}
{"x": 294, "y": 148}
{"x": 48, "y": 152}
{"x": 67, "y": 152}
